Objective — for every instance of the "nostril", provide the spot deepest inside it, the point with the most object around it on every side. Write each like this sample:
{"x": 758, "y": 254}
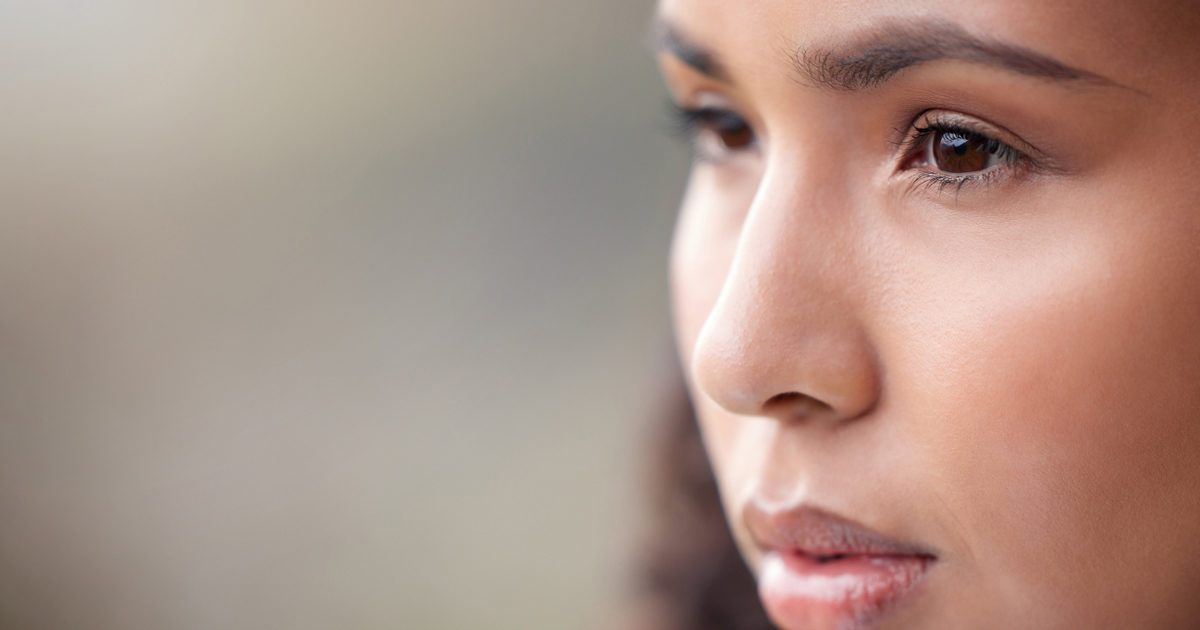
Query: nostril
{"x": 794, "y": 405}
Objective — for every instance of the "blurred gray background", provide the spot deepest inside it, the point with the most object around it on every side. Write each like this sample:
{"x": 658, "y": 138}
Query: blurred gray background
{"x": 329, "y": 314}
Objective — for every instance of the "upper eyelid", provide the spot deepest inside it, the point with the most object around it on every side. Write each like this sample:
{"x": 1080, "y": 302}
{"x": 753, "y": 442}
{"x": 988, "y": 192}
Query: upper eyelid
{"x": 689, "y": 119}
{"x": 939, "y": 118}
{"x": 695, "y": 124}
{"x": 707, "y": 96}
{"x": 920, "y": 136}
{"x": 709, "y": 99}
{"x": 711, "y": 102}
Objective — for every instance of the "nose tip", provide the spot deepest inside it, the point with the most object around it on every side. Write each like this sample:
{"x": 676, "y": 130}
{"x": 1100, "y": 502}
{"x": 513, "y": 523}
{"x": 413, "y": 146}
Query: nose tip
{"x": 784, "y": 357}
{"x": 808, "y": 390}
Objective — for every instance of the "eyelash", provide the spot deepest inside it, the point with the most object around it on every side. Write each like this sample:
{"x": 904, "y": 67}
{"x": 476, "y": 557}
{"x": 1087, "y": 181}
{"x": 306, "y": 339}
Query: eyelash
{"x": 917, "y": 146}
{"x": 693, "y": 124}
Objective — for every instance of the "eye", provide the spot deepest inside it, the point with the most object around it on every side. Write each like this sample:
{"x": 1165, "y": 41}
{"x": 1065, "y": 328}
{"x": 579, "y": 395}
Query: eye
{"x": 945, "y": 149}
{"x": 731, "y": 130}
{"x": 947, "y": 146}
{"x": 958, "y": 151}
{"x": 716, "y": 133}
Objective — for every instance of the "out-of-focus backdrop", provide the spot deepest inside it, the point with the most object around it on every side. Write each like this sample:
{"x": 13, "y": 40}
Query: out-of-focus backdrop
{"x": 327, "y": 314}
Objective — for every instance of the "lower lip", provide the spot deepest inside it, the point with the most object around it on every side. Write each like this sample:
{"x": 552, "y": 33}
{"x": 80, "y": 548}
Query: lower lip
{"x": 853, "y": 592}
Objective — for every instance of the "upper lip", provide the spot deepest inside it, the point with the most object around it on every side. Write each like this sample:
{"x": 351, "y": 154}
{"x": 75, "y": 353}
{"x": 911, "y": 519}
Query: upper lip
{"x": 815, "y": 532}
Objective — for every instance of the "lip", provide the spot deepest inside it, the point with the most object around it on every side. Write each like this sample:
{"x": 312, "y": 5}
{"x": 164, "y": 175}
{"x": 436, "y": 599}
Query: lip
{"x": 820, "y": 570}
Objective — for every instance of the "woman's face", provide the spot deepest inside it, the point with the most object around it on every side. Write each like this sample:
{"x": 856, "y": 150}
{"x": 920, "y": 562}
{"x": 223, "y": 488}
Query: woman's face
{"x": 937, "y": 284}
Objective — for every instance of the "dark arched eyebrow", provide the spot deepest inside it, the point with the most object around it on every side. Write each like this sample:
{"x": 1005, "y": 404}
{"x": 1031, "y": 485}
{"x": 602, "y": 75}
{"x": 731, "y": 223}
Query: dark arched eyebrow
{"x": 881, "y": 52}
{"x": 668, "y": 38}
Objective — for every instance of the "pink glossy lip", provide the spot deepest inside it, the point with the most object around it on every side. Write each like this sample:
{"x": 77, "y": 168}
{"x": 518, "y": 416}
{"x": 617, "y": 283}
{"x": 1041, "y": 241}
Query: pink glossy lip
{"x": 820, "y": 571}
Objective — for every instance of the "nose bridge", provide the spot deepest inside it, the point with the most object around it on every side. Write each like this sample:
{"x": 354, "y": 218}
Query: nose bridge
{"x": 784, "y": 338}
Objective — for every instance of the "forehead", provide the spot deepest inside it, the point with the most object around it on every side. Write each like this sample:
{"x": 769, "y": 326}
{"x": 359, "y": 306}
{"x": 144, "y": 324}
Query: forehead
{"x": 1148, "y": 45}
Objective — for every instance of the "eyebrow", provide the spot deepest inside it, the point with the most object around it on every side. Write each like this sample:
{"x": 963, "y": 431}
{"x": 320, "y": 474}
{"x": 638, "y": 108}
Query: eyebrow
{"x": 884, "y": 52}
{"x": 666, "y": 37}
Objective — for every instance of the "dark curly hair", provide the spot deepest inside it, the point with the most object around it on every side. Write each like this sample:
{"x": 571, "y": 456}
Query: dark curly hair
{"x": 689, "y": 575}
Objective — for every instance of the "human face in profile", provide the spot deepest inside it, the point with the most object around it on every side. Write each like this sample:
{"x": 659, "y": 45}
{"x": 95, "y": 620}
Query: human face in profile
{"x": 936, "y": 283}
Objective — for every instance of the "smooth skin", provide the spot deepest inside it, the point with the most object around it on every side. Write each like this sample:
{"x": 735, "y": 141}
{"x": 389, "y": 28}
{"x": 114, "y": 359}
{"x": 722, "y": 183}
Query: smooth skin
{"x": 1006, "y": 369}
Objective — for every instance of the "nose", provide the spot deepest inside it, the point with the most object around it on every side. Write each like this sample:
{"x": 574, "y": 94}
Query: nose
{"x": 786, "y": 338}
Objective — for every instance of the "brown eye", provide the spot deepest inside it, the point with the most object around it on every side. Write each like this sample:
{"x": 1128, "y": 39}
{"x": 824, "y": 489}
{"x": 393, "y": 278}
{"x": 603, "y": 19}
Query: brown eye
{"x": 954, "y": 151}
{"x": 716, "y": 133}
{"x": 731, "y": 130}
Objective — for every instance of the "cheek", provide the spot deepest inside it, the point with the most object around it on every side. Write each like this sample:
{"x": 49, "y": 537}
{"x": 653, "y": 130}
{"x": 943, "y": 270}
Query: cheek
{"x": 1056, "y": 401}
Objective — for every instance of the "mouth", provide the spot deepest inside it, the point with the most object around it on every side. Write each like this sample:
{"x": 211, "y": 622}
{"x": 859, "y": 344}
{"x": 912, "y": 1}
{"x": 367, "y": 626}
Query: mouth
{"x": 822, "y": 571}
